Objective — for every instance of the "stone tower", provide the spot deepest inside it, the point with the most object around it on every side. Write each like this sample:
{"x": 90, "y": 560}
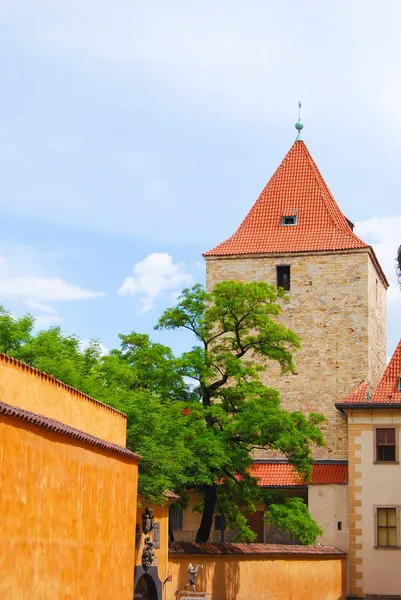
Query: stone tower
{"x": 296, "y": 236}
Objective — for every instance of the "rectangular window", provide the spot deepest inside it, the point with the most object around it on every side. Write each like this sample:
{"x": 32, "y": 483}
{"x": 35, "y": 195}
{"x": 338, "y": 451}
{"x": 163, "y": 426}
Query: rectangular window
{"x": 284, "y": 277}
{"x": 176, "y": 517}
{"x": 289, "y": 220}
{"x": 385, "y": 445}
{"x": 399, "y": 383}
{"x": 289, "y": 217}
{"x": 386, "y": 527}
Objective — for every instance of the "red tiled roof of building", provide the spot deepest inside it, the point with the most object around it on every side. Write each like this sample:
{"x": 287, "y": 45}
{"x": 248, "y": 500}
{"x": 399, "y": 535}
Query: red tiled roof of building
{"x": 171, "y": 495}
{"x": 357, "y": 396}
{"x": 226, "y": 548}
{"x": 296, "y": 188}
{"x": 387, "y": 392}
{"x": 282, "y": 474}
{"x": 21, "y": 365}
{"x": 62, "y": 429}
{"x": 388, "y": 389}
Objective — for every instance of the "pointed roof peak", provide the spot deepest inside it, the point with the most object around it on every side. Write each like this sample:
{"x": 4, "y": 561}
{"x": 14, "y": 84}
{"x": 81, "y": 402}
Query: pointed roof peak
{"x": 296, "y": 212}
{"x": 299, "y": 125}
{"x": 389, "y": 388}
{"x": 388, "y": 391}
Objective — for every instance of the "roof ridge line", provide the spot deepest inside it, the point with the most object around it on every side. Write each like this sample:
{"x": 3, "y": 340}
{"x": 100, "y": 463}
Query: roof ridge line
{"x": 53, "y": 380}
{"x": 61, "y": 428}
{"x": 325, "y": 188}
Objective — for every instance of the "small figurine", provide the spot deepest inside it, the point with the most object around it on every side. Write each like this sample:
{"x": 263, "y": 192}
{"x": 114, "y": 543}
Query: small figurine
{"x": 147, "y": 554}
{"x": 147, "y": 520}
{"x": 193, "y": 572}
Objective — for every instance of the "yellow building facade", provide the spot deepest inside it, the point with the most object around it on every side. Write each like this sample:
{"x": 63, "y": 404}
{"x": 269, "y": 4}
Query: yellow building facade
{"x": 68, "y": 492}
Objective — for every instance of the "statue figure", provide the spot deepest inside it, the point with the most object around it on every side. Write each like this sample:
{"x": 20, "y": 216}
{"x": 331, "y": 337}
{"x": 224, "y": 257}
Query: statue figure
{"x": 193, "y": 572}
{"x": 147, "y": 554}
{"x": 147, "y": 520}
{"x": 399, "y": 265}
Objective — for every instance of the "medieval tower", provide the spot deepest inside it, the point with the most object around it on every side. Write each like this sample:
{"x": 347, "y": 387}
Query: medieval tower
{"x": 296, "y": 237}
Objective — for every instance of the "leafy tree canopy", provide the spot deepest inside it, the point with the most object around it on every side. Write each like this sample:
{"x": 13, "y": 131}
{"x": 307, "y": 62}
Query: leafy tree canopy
{"x": 195, "y": 436}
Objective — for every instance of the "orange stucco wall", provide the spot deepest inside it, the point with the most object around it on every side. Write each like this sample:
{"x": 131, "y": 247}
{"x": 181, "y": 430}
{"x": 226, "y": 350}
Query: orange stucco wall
{"x": 161, "y": 555}
{"x": 264, "y": 578}
{"x": 68, "y": 513}
{"x": 32, "y": 390}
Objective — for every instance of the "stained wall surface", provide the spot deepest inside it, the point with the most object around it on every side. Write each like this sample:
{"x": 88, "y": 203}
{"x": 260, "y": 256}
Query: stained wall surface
{"x": 68, "y": 515}
{"x": 264, "y": 578}
{"x": 332, "y": 307}
{"x": 33, "y": 390}
{"x": 328, "y": 505}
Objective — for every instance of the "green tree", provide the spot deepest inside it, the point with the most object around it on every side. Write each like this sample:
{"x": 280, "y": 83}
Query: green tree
{"x": 14, "y": 332}
{"x": 238, "y": 337}
{"x": 194, "y": 437}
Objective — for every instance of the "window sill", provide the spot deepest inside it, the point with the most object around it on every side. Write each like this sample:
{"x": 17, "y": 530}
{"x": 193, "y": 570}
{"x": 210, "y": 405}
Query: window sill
{"x": 386, "y": 462}
{"x": 387, "y": 547}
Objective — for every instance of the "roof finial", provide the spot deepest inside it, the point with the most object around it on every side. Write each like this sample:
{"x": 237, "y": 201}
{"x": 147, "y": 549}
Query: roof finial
{"x": 298, "y": 125}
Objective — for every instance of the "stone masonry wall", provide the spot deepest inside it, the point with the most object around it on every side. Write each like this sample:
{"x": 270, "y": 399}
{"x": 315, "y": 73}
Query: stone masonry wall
{"x": 330, "y": 309}
{"x": 377, "y": 327}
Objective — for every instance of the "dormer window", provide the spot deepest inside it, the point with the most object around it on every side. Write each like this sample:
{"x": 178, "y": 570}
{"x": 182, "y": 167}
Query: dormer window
{"x": 289, "y": 219}
{"x": 399, "y": 383}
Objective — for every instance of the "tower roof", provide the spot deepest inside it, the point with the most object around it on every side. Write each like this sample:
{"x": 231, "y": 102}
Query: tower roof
{"x": 296, "y": 190}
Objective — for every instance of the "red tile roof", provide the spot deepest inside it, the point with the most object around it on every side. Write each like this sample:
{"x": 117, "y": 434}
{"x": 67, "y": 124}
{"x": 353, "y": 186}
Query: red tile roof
{"x": 282, "y": 474}
{"x": 357, "y": 396}
{"x": 41, "y": 421}
{"x": 171, "y": 495}
{"x": 387, "y": 391}
{"x": 296, "y": 187}
{"x": 24, "y": 367}
{"x": 177, "y": 548}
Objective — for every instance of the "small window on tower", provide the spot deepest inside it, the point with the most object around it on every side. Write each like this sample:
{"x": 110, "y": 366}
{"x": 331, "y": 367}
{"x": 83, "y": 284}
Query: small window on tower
{"x": 289, "y": 219}
{"x": 284, "y": 277}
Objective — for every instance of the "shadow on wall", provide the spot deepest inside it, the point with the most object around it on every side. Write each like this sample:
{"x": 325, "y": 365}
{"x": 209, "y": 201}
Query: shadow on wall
{"x": 229, "y": 574}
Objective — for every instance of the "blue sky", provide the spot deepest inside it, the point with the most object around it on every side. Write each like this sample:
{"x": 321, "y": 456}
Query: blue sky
{"x": 136, "y": 135}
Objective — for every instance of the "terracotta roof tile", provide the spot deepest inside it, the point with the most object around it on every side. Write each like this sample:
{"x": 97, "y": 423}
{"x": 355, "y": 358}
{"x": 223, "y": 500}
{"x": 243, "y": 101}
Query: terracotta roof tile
{"x": 169, "y": 494}
{"x": 23, "y": 366}
{"x": 296, "y": 187}
{"x": 177, "y": 548}
{"x": 387, "y": 392}
{"x": 282, "y": 474}
{"x": 58, "y": 427}
{"x": 357, "y": 396}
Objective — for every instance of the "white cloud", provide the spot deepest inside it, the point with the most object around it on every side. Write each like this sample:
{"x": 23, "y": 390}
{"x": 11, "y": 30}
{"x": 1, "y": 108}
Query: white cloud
{"x": 153, "y": 277}
{"x": 384, "y": 234}
{"x": 239, "y": 55}
{"x": 43, "y": 289}
{"x": 84, "y": 344}
{"x": 23, "y": 280}
{"x": 46, "y": 321}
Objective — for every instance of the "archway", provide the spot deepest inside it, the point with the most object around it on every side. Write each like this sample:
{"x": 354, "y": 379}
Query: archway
{"x": 145, "y": 589}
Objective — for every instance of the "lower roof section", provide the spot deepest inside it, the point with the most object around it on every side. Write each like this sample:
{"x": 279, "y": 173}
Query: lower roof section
{"x": 280, "y": 473}
{"x": 180, "y": 548}
{"x": 56, "y": 426}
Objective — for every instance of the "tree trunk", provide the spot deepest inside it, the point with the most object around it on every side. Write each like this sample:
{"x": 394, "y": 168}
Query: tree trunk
{"x": 170, "y": 531}
{"x": 207, "y": 515}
